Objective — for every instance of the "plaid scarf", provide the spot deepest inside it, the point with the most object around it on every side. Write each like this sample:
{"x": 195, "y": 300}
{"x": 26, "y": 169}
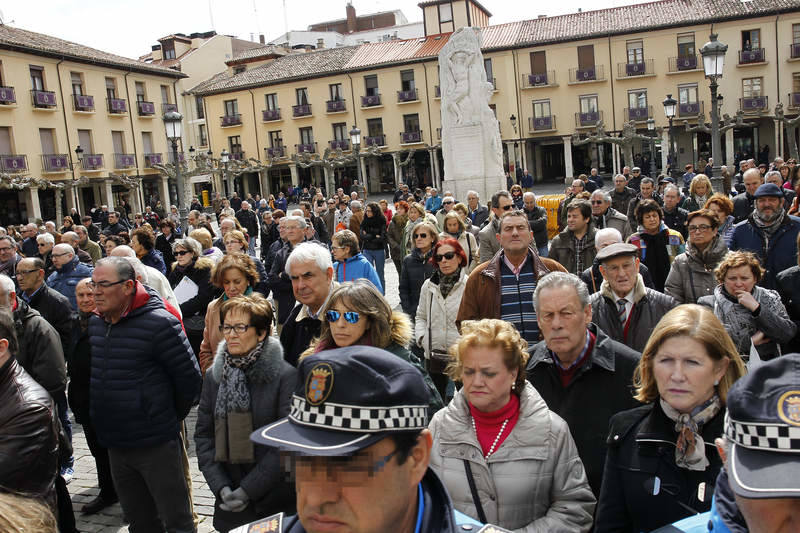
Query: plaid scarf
{"x": 580, "y": 244}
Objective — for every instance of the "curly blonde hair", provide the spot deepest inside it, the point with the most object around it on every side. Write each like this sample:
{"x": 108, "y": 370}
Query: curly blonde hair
{"x": 490, "y": 333}
{"x": 739, "y": 259}
{"x": 700, "y": 178}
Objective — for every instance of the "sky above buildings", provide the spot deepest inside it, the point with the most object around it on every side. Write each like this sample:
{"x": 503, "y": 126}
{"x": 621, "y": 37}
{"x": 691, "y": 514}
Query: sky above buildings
{"x": 130, "y": 27}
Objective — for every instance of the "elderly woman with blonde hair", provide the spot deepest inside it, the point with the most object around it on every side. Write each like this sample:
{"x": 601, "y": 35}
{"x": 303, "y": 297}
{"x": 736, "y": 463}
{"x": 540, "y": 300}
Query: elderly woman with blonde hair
{"x": 203, "y": 236}
{"x": 455, "y": 227}
{"x": 699, "y": 193}
{"x": 661, "y": 465}
{"x": 503, "y": 455}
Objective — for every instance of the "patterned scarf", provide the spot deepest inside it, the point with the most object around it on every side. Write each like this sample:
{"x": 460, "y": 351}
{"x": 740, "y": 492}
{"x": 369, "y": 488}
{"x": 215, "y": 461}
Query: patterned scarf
{"x": 233, "y": 417}
{"x": 771, "y": 226}
{"x": 448, "y": 281}
{"x": 690, "y": 450}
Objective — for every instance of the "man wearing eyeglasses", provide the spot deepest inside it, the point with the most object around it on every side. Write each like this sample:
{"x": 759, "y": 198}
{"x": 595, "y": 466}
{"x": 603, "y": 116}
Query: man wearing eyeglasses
{"x": 68, "y": 271}
{"x": 144, "y": 381}
{"x": 605, "y": 216}
{"x": 28, "y": 246}
{"x": 44, "y": 244}
{"x": 52, "y": 305}
{"x": 448, "y": 202}
{"x": 488, "y": 242}
{"x": 9, "y": 258}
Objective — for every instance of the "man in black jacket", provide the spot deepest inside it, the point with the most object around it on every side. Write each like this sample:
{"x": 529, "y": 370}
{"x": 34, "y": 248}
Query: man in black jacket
{"x": 622, "y": 195}
{"x": 478, "y": 213}
{"x": 51, "y": 304}
{"x": 674, "y": 216}
{"x": 537, "y": 216}
{"x": 320, "y": 229}
{"x": 743, "y": 203}
{"x": 114, "y": 226}
{"x": 249, "y": 221}
{"x": 582, "y": 375}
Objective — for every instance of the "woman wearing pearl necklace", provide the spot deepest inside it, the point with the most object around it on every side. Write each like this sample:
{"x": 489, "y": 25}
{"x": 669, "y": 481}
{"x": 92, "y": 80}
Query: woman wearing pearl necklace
{"x": 503, "y": 456}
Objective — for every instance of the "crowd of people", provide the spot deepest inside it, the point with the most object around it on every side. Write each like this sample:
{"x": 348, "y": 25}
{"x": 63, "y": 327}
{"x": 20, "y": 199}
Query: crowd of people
{"x": 573, "y": 382}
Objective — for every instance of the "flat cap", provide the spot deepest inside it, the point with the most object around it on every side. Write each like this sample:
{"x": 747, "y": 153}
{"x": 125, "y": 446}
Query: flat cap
{"x": 617, "y": 249}
{"x": 768, "y": 189}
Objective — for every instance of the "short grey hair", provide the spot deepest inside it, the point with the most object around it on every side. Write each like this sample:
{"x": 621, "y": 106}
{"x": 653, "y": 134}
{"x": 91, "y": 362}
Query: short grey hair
{"x": 646, "y": 180}
{"x": 300, "y": 221}
{"x": 123, "y": 268}
{"x": 672, "y": 187}
{"x": 64, "y": 248}
{"x": 309, "y": 251}
{"x": 46, "y": 238}
{"x": 123, "y": 250}
{"x": 620, "y": 176}
{"x": 355, "y": 205}
{"x": 478, "y": 196}
{"x": 70, "y": 235}
{"x": 227, "y": 220}
{"x": 771, "y": 173}
{"x": 603, "y": 194}
{"x": 138, "y": 268}
{"x": 8, "y": 287}
{"x": 190, "y": 245}
{"x": 752, "y": 172}
{"x": 604, "y": 233}
{"x": 528, "y": 195}
{"x": 448, "y": 198}
{"x": 555, "y": 280}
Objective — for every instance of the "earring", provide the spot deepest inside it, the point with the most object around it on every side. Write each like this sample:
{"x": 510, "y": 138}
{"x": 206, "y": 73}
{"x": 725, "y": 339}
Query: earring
{"x": 716, "y": 382}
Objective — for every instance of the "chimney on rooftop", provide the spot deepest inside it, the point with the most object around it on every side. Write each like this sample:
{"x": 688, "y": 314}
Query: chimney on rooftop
{"x": 320, "y": 43}
{"x": 351, "y": 18}
{"x": 261, "y": 38}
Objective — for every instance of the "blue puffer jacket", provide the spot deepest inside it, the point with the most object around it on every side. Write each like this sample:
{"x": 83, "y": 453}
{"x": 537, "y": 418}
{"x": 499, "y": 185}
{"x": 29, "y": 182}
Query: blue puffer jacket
{"x": 775, "y": 258}
{"x": 357, "y": 267}
{"x": 154, "y": 259}
{"x": 144, "y": 377}
{"x": 64, "y": 280}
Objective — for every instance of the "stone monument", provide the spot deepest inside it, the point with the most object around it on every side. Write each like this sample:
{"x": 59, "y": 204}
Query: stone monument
{"x": 473, "y": 153}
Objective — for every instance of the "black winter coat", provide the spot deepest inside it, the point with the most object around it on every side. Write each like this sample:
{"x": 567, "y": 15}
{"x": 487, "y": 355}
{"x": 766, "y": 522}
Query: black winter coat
{"x": 249, "y": 221}
{"x": 199, "y": 271}
{"x": 296, "y": 335}
{"x": 164, "y": 245}
{"x": 641, "y": 448}
{"x": 416, "y": 269}
{"x": 538, "y": 221}
{"x": 677, "y": 221}
{"x": 788, "y": 286}
{"x": 80, "y": 371}
{"x": 39, "y": 349}
{"x": 56, "y": 310}
{"x": 743, "y": 205}
{"x": 600, "y": 389}
{"x": 280, "y": 284}
{"x": 373, "y": 233}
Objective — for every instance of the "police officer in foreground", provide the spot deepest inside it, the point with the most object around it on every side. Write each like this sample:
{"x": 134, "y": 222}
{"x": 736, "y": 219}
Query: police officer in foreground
{"x": 358, "y": 448}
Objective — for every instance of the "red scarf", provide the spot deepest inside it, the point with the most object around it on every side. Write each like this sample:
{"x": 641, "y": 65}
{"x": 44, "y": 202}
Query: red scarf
{"x": 487, "y": 425}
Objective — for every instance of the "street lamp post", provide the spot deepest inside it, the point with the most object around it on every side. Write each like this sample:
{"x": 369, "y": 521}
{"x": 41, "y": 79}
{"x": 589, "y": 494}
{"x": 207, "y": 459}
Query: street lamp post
{"x": 173, "y": 124}
{"x": 670, "y": 106}
{"x": 713, "y": 53}
{"x": 651, "y": 127}
{"x": 355, "y": 140}
{"x": 224, "y": 157}
{"x": 513, "y": 119}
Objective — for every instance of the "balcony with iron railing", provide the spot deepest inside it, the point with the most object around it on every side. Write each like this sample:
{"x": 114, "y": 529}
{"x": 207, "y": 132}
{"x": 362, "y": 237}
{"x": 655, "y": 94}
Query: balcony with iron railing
{"x": 371, "y": 100}
{"x": 171, "y": 157}
{"x": 82, "y": 102}
{"x": 146, "y": 109}
{"x": 638, "y": 114}
{"x": 117, "y": 106}
{"x": 749, "y": 57}
{"x": 152, "y": 159}
{"x": 589, "y": 119}
{"x": 544, "y": 123}
{"x": 589, "y": 74}
{"x": 166, "y": 108}
{"x": 339, "y": 144}
{"x": 375, "y": 140}
{"x": 682, "y": 64}
{"x": 55, "y": 162}
{"x": 236, "y": 155}
{"x": 43, "y": 99}
{"x": 275, "y": 152}
{"x": 493, "y": 82}
{"x": 539, "y": 79}
{"x": 794, "y": 51}
{"x": 7, "y": 96}
{"x": 336, "y": 106}
{"x": 271, "y": 115}
{"x": 92, "y": 162}
{"x": 411, "y": 137}
{"x": 407, "y": 96}
{"x": 227, "y": 121}
{"x": 308, "y": 148}
{"x": 301, "y": 110}
{"x": 12, "y": 163}
{"x": 690, "y": 109}
{"x": 794, "y": 100}
{"x": 753, "y": 104}
{"x": 632, "y": 70}
{"x": 123, "y": 161}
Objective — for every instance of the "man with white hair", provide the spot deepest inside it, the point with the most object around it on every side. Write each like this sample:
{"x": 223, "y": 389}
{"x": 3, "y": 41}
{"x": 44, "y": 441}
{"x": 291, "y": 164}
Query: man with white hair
{"x": 278, "y": 280}
{"x": 50, "y": 227}
{"x": 28, "y": 246}
{"x": 448, "y": 202}
{"x": 72, "y": 238}
{"x": 68, "y": 271}
{"x": 44, "y": 244}
{"x": 9, "y": 258}
{"x": 537, "y": 217}
{"x": 152, "y": 278}
{"x": 478, "y": 213}
{"x": 249, "y": 221}
{"x": 592, "y": 276}
{"x": 357, "y": 218}
{"x": 605, "y": 216}
{"x": 225, "y": 226}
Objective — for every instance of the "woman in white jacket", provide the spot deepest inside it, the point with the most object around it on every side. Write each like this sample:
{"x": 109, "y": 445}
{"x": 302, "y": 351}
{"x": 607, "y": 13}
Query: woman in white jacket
{"x": 440, "y": 296}
{"x": 455, "y": 227}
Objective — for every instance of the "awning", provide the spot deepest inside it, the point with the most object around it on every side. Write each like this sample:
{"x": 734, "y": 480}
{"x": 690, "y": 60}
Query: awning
{"x": 202, "y": 178}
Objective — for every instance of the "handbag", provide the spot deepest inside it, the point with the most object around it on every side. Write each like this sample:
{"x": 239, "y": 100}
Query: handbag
{"x": 474, "y": 491}
{"x": 437, "y": 359}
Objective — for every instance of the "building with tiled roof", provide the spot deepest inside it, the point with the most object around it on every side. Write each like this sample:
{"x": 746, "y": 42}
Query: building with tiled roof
{"x": 553, "y": 77}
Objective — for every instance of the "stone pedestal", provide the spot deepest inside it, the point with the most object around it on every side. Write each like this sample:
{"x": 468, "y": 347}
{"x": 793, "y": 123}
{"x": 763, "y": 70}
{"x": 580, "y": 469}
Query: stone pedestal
{"x": 568, "y": 170}
{"x": 32, "y": 201}
{"x": 293, "y": 170}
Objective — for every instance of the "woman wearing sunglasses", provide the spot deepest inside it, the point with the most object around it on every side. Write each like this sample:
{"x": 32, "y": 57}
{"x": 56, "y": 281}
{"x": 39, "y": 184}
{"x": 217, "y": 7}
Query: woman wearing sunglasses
{"x": 417, "y": 266}
{"x": 357, "y": 314}
{"x": 190, "y": 264}
{"x": 248, "y": 386}
{"x": 440, "y": 297}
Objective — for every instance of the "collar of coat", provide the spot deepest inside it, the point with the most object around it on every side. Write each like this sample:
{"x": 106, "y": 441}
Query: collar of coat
{"x": 639, "y": 291}
{"x": 266, "y": 368}
{"x": 603, "y": 354}
{"x": 492, "y": 270}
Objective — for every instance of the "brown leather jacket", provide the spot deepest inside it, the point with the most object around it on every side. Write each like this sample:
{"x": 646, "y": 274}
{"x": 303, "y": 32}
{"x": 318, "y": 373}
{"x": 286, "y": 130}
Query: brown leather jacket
{"x": 481, "y": 297}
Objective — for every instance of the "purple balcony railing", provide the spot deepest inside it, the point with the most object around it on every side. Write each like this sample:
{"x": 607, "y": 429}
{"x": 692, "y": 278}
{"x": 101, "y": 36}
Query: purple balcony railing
{"x": 411, "y": 137}
{"x": 301, "y": 110}
{"x": 270, "y": 114}
{"x": 124, "y": 160}
{"x": 117, "y": 105}
{"x": 340, "y": 144}
{"x": 539, "y": 79}
{"x": 370, "y": 100}
{"x": 181, "y": 157}
{"x": 276, "y": 151}
{"x": 752, "y": 56}
{"x": 83, "y": 102}
{"x": 678, "y": 64}
{"x": 55, "y": 162}
{"x": 794, "y": 50}
{"x": 407, "y": 96}
{"x": 635, "y": 69}
{"x": 310, "y": 148}
{"x": 237, "y": 156}
{"x": 690, "y": 109}
{"x": 377, "y": 140}
{"x": 753, "y": 103}
{"x": 638, "y": 113}
{"x": 13, "y": 163}
{"x": 43, "y": 98}
{"x": 7, "y": 95}
{"x": 230, "y": 120}
{"x": 92, "y": 161}
{"x": 166, "y": 108}
{"x": 542, "y": 123}
{"x": 588, "y": 119}
{"x": 335, "y": 106}
{"x": 152, "y": 159}
{"x": 146, "y": 109}
{"x": 794, "y": 99}
{"x": 586, "y": 74}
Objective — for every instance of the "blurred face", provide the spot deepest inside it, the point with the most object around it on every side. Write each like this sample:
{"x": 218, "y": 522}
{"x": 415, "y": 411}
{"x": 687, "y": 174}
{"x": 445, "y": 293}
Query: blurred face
{"x": 368, "y": 212}
{"x": 563, "y": 321}
{"x": 183, "y": 256}
{"x": 739, "y": 280}
{"x": 7, "y": 251}
{"x": 310, "y": 284}
{"x": 700, "y": 231}
{"x": 619, "y": 183}
{"x": 192, "y": 220}
{"x": 515, "y": 235}
{"x": 577, "y": 186}
{"x": 685, "y": 373}
{"x": 718, "y": 213}
{"x": 423, "y": 239}
{"x": 575, "y": 221}
{"x": 599, "y": 206}
{"x": 529, "y": 202}
{"x": 61, "y": 258}
{"x": 413, "y": 215}
{"x": 84, "y": 295}
{"x": 651, "y": 221}
{"x": 487, "y": 381}
{"x": 670, "y": 199}
{"x": 294, "y": 233}
{"x": 240, "y": 344}
{"x": 769, "y": 207}
{"x": 770, "y": 515}
{"x": 109, "y": 245}
{"x": 621, "y": 273}
{"x": 700, "y": 189}
{"x": 448, "y": 259}
{"x": 646, "y": 189}
{"x": 226, "y": 226}
{"x": 349, "y": 326}
{"x": 751, "y": 183}
{"x": 448, "y": 205}
{"x": 267, "y": 218}
{"x": 233, "y": 245}
{"x": 27, "y": 275}
{"x": 109, "y": 296}
{"x": 234, "y": 282}
{"x": 472, "y": 201}
{"x": 112, "y": 218}
{"x": 452, "y": 226}
{"x": 626, "y": 170}
{"x": 282, "y": 229}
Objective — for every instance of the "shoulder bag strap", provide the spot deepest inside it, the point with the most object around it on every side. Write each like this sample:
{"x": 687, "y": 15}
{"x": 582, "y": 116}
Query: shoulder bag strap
{"x": 691, "y": 282}
{"x": 474, "y": 490}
